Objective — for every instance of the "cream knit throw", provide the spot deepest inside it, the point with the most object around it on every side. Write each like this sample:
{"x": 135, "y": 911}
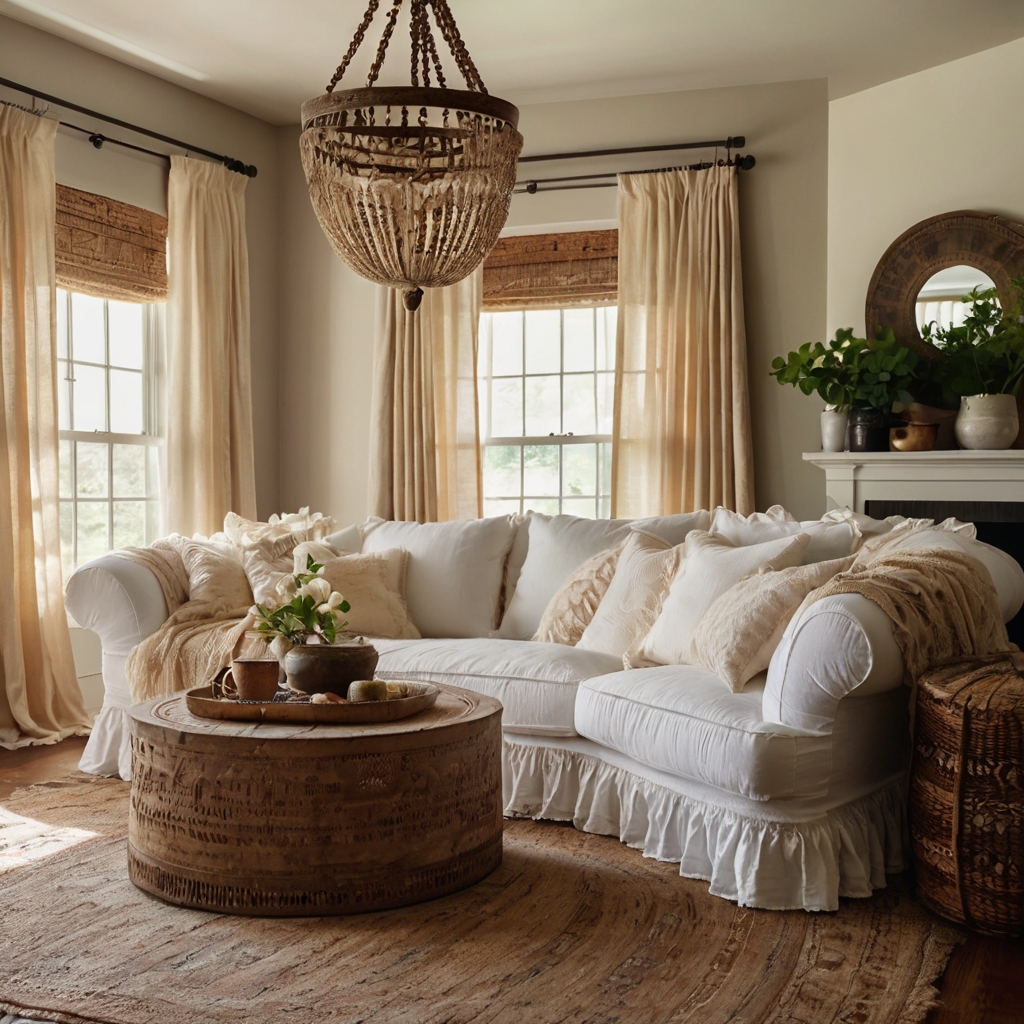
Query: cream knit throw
{"x": 942, "y": 603}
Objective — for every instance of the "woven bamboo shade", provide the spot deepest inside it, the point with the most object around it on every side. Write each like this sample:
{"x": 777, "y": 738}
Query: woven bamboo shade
{"x": 110, "y": 249}
{"x": 411, "y": 184}
{"x": 576, "y": 268}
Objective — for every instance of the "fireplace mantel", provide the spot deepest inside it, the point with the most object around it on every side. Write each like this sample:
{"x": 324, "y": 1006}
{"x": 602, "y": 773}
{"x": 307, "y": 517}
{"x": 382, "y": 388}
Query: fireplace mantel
{"x": 852, "y": 478}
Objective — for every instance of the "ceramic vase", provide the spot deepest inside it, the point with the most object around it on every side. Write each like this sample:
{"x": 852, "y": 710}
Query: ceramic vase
{"x": 833, "y": 429}
{"x": 869, "y": 430}
{"x": 987, "y": 422}
{"x": 329, "y": 668}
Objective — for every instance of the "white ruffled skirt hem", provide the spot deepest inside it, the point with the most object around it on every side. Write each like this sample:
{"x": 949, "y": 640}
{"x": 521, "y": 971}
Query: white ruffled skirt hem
{"x": 757, "y": 859}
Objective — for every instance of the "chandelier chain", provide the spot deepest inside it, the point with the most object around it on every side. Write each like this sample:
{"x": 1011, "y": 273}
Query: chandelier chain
{"x": 357, "y": 41}
{"x": 446, "y": 23}
{"x": 383, "y": 44}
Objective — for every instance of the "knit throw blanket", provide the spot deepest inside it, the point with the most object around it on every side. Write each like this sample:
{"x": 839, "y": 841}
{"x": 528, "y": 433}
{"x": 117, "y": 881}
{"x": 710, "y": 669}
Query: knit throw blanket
{"x": 942, "y": 603}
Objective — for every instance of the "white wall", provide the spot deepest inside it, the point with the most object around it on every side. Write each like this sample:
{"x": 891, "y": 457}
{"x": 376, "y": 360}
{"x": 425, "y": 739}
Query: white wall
{"x": 949, "y": 138}
{"x": 327, "y": 312}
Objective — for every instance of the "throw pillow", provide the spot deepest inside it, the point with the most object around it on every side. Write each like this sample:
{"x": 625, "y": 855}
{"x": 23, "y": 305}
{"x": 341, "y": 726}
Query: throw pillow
{"x": 633, "y": 599}
{"x": 374, "y": 585}
{"x": 675, "y": 528}
{"x": 455, "y": 571}
{"x": 572, "y": 608}
{"x": 737, "y": 636}
{"x": 829, "y": 538}
{"x": 555, "y": 547}
{"x": 700, "y": 571}
{"x": 215, "y": 574}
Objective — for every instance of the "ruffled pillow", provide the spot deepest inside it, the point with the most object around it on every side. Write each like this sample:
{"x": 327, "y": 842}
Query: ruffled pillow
{"x": 575, "y": 602}
{"x": 829, "y": 538}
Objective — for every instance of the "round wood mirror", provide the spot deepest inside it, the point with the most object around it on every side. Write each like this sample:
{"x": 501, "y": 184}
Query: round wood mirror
{"x": 965, "y": 239}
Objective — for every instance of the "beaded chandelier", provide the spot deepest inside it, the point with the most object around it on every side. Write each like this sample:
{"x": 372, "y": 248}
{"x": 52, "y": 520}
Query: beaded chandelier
{"x": 411, "y": 184}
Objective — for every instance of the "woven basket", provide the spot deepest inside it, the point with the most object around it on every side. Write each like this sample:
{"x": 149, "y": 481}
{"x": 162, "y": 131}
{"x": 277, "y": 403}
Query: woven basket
{"x": 966, "y": 795}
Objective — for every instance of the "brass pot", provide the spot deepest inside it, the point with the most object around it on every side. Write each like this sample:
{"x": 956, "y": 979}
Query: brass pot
{"x": 329, "y": 668}
{"x": 913, "y": 437}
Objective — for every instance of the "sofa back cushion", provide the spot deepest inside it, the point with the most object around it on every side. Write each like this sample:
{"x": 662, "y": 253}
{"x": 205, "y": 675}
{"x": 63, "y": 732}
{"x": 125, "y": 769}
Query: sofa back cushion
{"x": 454, "y": 579}
{"x": 829, "y": 539}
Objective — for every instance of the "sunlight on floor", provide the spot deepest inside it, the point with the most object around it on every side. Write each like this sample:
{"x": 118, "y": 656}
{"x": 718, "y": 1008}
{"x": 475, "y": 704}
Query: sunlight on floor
{"x": 24, "y": 840}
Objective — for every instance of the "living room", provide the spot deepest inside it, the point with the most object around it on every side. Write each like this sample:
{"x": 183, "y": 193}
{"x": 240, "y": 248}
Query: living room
{"x": 850, "y": 115}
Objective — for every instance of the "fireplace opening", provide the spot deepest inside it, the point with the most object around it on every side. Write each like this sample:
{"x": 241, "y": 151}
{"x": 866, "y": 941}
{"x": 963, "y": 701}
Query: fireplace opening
{"x": 999, "y": 523}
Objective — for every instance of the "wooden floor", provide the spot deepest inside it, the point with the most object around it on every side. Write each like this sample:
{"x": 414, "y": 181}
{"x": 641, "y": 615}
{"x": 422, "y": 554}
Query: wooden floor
{"x": 983, "y": 984}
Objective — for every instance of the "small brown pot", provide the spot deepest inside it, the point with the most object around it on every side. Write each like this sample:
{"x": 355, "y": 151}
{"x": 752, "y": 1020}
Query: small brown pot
{"x": 913, "y": 437}
{"x": 329, "y": 668}
{"x": 869, "y": 431}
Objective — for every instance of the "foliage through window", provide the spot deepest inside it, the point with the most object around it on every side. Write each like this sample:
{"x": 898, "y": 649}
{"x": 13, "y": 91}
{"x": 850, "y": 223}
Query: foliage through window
{"x": 546, "y": 383}
{"x": 109, "y": 477}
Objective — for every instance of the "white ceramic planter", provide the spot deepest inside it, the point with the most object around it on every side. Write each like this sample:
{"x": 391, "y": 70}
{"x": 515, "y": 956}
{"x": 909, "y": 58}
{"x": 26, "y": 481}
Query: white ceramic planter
{"x": 833, "y": 429}
{"x": 987, "y": 422}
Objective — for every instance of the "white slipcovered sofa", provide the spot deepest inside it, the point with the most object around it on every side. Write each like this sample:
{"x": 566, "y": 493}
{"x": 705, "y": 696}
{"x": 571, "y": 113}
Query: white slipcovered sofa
{"x": 787, "y": 794}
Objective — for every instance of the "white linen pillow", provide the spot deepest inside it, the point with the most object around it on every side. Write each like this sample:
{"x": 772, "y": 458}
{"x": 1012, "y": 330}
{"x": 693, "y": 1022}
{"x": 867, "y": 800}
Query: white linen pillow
{"x": 556, "y": 547}
{"x": 829, "y": 539}
{"x": 455, "y": 571}
{"x": 674, "y": 528}
{"x": 737, "y": 636}
{"x": 215, "y": 574}
{"x": 701, "y": 571}
{"x": 631, "y": 603}
{"x": 374, "y": 585}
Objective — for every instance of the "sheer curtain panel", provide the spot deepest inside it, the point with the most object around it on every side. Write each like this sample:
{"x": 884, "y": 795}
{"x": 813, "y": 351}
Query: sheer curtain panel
{"x": 425, "y": 435}
{"x": 682, "y": 410}
{"x": 209, "y": 458}
{"x": 40, "y": 701}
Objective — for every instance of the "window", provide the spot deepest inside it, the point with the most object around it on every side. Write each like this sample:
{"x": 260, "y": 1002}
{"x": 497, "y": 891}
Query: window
{"x": 546, "y": 391}
{"x": 109, "y": 491}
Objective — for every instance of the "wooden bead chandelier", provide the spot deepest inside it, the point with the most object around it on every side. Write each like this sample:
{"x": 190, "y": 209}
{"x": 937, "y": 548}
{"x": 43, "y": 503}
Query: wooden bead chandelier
{"x": 411, "y": 184}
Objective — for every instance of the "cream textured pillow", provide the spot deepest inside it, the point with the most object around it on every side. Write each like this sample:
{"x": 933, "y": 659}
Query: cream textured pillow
{"x": 829, "y": 538}
{"x": 703, "y": 569}
{"x": 215, "y": 574}
{"x": 572, "y": 608}
{"x": 633, "y": 599}
{"x": 737, "y": 636}
{"x": 374, "y": 585}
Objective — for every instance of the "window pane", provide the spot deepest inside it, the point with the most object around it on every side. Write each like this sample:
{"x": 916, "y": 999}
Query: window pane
{"x": 63, "y": 396}
{"x": 578, "y": 396}
{"x": 87, "y": 331}
{"x": 579, "y": 475}
{"x": 125, "y": 402}
{"x": 67, "y": 453}
{"x": 92, "y": 530}
{"x": 62, "y": 323}
{"x": 66, "y": 537}
{"x": 501, "y": 470}
{"x": 506, "y": 343}
{"x": 605, "y": 402}
{"x": 125, "y": 325}
{"x": 579, "y": 339}
{"x": 543, "y": 341}
{"x": 546, "y": 506}
{"x": 129, "y": 464}
{"x": 585, "y": 508}
{"x": 607, "y": 319}
{"x": 540, "y": 470}
{"x": 92, "y": 469}
{"x": 129, "y": 523}
{"x": 507, "y": 408}
{"x": 501, "y": 506}
{"x": 542, "y": 406}
{"x": 90, "y": 391}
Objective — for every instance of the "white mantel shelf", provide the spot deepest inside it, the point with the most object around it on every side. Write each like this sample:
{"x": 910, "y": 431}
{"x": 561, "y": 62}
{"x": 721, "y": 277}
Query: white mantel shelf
{"x": 852, "y": 478}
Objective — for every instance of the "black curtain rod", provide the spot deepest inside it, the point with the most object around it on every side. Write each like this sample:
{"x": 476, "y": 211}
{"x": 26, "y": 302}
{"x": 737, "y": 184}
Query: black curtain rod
{"x": 532, "y": 187}
{"x": 733, "y": 142}
{"x": 97, "y": 139}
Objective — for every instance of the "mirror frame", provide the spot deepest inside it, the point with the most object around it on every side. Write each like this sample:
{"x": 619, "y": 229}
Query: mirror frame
{"x": 985, "y": 241}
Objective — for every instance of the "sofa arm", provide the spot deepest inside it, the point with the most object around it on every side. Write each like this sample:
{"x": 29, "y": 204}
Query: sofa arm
{"x": 118, "y": 599}
{"x": 841, "y": 645}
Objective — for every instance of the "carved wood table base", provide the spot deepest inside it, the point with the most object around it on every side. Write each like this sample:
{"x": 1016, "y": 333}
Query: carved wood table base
{"x": 287, "y": 820}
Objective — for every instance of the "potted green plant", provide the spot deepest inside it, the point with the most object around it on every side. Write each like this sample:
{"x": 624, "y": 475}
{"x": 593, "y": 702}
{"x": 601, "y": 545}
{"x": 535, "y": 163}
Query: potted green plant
{"x": 982, "y": 363}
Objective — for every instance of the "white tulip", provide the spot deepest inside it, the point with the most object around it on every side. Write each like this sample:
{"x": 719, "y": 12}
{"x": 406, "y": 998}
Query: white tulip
{"x": 325, "y": 609}
{"x": 335, "y": 600}
{"x": 280, "y": 646}
{"x": 317, "y": 588}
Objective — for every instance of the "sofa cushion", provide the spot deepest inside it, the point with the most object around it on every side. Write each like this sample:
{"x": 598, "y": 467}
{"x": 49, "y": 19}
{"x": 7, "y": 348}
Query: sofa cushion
{"x": 829, "y": 539}
{"x": 535, "y": 682}
{"x": 684, "y": 720}
{"x": 453, "y": 586}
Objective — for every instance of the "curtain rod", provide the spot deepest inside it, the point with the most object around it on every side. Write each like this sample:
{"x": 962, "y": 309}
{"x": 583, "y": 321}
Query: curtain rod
{"x": 532, "y": 187}
{"x": 239, "y": 166}
{"x": 733, "y": 142}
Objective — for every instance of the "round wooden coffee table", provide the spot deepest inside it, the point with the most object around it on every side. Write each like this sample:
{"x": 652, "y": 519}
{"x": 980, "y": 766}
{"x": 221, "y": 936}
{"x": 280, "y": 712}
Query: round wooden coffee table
{"x": 290, "y": 820}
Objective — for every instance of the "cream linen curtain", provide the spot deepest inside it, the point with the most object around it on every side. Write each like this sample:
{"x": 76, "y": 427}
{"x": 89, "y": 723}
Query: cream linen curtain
{"x": 682, "y": 413}
{"x": 209, "y": 461}
{"x": 40, "y": 701}
{"x": 425, "y": 439}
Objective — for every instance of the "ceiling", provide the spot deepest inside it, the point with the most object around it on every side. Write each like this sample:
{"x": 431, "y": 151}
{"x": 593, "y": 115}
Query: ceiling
{"x": 267, "y": 56}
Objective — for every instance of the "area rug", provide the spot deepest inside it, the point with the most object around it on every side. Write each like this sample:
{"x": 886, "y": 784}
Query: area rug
{"x": 571, "y": 927}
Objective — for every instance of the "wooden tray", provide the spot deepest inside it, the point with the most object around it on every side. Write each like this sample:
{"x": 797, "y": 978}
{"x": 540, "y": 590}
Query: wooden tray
{"x": 201, "y": 702}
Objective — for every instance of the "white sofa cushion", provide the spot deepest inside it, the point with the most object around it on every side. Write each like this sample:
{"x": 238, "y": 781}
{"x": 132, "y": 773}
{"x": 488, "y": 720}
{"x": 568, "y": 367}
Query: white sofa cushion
{"x": 683, "y": 720}
{"x": 674, "y": 528}
{"x": 453, "y": 585}
{"x": 829, "y": 539}
{"x": 535, "y": 682}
